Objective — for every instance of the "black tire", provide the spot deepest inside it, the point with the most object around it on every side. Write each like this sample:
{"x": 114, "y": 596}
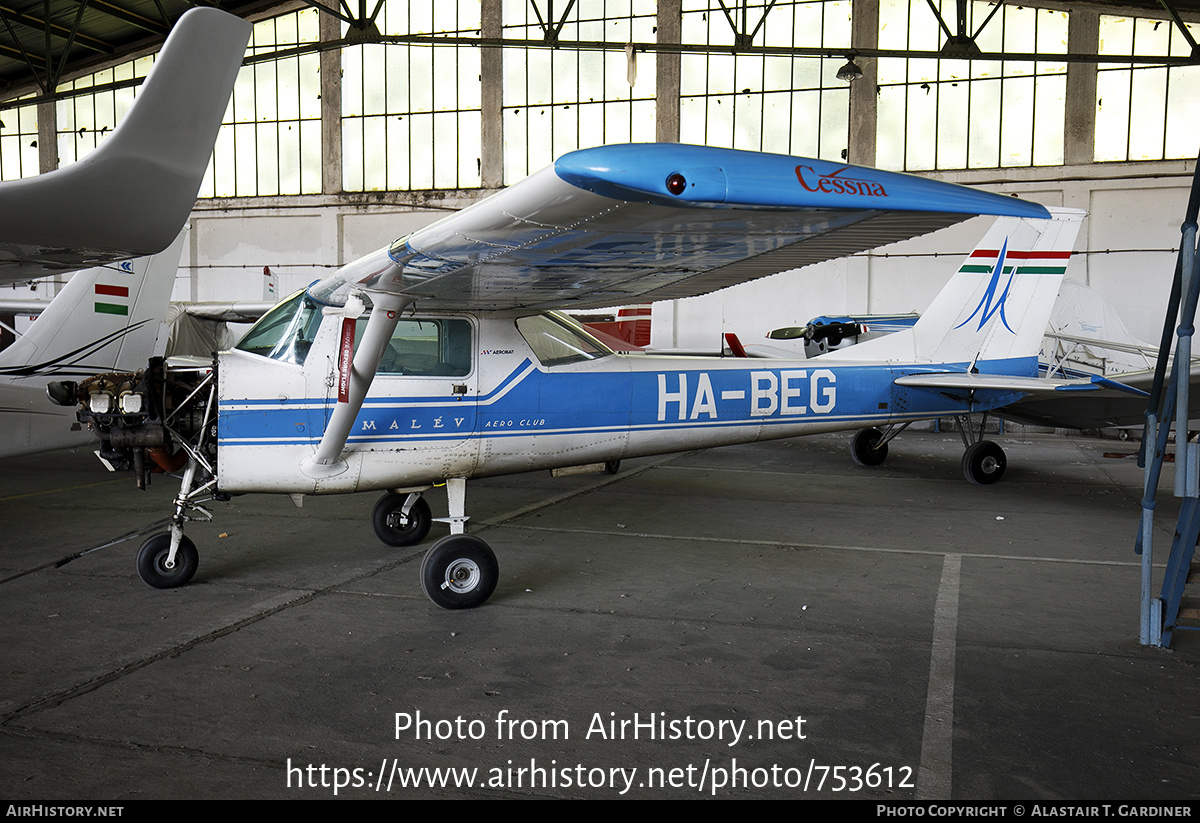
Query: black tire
{"x": 152, "y": 557}
{"x": 393, "y": 529}
{"x": 983, "y": 463}
{"x": 865, "y": 450}
{"x": 459, "y": 572}
{"x": 612, "y": 466}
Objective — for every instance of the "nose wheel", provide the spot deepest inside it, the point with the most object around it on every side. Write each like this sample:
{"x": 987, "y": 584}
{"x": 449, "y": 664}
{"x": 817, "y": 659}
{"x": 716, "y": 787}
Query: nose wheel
{"x": 157, "y": 569}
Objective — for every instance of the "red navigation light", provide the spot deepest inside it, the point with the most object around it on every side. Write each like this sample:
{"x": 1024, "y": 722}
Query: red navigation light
{"x": 676, "y": 184}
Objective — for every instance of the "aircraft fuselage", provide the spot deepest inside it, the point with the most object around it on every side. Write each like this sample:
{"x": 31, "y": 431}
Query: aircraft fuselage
{"x": 511, "y": 411}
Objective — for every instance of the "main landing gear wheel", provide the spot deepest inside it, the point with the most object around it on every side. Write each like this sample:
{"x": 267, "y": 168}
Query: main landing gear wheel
{"x": 866, "y": 449}
{"x": 459, "y": 572}
{"x": 393, "y": 528}
{"x": 983, "y": 463}
{"x": 152, "y": 562}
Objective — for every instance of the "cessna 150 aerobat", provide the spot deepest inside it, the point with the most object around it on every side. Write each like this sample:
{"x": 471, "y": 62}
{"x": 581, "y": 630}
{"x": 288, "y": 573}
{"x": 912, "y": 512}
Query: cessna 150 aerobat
{"x": 460, "y": 370}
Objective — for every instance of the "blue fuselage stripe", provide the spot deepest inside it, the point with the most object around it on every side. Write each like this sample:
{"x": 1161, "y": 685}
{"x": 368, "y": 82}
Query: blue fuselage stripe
{"x": 530, "y": 401}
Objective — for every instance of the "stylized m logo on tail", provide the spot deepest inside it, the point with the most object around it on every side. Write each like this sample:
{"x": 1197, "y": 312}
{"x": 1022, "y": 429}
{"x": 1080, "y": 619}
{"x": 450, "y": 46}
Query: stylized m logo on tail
{"x": 989, "y": 305}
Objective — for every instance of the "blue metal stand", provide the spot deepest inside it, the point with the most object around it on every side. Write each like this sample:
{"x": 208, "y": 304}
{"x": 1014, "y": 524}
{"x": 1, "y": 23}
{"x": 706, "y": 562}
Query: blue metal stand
{"x": 1160, "y": 616}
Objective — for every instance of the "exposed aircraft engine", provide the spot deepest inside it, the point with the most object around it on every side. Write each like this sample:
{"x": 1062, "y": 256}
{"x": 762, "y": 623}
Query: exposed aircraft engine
{"x": 150, "y": 420}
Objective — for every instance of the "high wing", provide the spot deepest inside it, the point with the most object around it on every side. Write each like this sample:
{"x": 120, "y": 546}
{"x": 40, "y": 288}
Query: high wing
{"x": 131, "y": 196}
{"x": 634, "y": 223}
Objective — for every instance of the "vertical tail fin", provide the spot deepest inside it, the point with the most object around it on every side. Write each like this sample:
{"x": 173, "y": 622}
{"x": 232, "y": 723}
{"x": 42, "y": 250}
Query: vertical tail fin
{"x": 995, "y": 308}
{"x": 107, "y": 318}
{"x": 132, "y": 194}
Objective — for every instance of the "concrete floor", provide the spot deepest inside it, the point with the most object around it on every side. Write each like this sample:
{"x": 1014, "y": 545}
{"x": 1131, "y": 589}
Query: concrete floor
{"x": 937, "y": 640}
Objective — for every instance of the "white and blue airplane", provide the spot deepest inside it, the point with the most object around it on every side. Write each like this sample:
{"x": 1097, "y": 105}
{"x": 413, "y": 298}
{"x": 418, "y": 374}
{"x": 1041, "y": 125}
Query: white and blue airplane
{"x": 439, "y": 359}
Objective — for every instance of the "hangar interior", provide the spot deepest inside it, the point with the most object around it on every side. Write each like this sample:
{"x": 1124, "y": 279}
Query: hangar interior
{"x": 972, "y": 644}
{"x": 351, "y": 128}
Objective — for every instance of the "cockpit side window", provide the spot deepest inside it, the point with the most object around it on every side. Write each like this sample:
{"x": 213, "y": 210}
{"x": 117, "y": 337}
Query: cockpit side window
{"x": 438, "y": 347}
{"x": 286, "y": 332}
{"x": 556, "y": 340}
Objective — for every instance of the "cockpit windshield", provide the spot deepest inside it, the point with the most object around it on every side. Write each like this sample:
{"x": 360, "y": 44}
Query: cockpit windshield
{"x": 286, "y": 332}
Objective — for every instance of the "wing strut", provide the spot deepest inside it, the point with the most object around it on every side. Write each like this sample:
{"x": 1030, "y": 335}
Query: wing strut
{"x": 328, "y": 462}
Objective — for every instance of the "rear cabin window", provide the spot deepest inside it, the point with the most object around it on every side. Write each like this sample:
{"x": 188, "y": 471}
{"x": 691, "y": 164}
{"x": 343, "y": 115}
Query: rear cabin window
{"x": 556, "y": 340}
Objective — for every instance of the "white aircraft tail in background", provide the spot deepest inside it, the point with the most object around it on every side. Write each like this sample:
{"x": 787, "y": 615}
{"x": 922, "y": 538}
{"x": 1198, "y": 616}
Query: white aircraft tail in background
{"x": 132, "y": 195}
{"x": 980, "y": 338}
{"x": 106, "y": 319}
{"x": 996, "y": 306}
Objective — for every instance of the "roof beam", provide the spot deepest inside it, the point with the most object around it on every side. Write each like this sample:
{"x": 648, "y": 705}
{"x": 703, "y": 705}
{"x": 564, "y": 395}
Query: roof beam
{"x": 1170, "y": 7}
{"x": 131, "y": 17}
{"x": 66, "y": 51}
{"x": 55, "y": 30}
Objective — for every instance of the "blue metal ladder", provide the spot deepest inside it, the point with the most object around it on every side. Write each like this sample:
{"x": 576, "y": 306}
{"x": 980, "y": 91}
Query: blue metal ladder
{"x": 1160, "y": 616}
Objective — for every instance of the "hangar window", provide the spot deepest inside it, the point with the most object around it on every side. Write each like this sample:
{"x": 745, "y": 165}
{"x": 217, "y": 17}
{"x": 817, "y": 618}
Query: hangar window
{"x": 1145, "y": 112}
{"x": 270, "y": 139}
{"x": 765, "y": 102}
{"x": 411, "y": 115}
{"x": 967, "y": 114}
{"x": 559, "y": 100}
{"x": 85, "y": 119}
{"x": 18, "y": 143}
{"x": 270, "y": 142}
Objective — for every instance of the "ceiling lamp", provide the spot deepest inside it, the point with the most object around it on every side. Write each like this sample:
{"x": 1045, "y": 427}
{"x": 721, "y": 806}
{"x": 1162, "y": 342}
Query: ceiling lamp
{"x": 849, "y": 72}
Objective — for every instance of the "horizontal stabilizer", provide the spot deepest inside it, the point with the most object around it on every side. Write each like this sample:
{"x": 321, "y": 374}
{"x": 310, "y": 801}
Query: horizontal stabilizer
{"x": 1028, "y": 385}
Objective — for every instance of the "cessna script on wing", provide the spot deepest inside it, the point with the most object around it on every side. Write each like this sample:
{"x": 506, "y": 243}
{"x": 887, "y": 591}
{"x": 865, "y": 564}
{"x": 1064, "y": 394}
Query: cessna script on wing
{"x": 832, "y": 184}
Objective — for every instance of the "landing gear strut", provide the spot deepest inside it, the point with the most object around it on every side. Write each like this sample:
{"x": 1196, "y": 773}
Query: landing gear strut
{"x": 459, "y": 571}
{"x": 169, "y": 559}
{"x": 869, "y": 447}
{"x": 983, "y": 462}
